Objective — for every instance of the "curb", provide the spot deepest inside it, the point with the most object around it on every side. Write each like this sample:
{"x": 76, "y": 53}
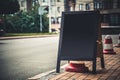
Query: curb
{"x": 22, "y": 37}
{"x": 37, "y": 77}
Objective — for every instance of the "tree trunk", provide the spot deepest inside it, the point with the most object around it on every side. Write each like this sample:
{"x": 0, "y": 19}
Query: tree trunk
{"x": 66, "y": 6}
{"x": 29, "y": 5}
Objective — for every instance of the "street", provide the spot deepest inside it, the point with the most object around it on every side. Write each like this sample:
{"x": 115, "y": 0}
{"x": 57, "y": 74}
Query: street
{"x": 24, "y": 58}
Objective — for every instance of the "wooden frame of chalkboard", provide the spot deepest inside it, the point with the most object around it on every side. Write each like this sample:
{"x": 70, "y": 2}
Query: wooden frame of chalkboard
{"x": 78, "y": 36}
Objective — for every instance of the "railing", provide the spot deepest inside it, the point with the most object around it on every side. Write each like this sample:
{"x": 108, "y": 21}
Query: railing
{"x": 110, "y": 30}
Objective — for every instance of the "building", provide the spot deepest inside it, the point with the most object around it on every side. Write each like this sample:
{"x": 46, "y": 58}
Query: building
{"x": 23, "y": 5}
{"x": 110, "y": 10}
{"x": 84, "y": 5}
{"x": 56, "y": 8}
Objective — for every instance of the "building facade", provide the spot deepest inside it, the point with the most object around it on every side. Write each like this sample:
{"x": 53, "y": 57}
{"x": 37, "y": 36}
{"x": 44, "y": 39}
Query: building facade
{"x": 110, "y": 10}
{"x": 84, "y": 5}
{"x": 57, "y": 7}
{"x": 23, "y": 4}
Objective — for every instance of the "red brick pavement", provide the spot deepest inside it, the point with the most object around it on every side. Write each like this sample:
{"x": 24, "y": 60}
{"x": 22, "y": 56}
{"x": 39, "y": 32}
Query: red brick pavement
{"x": 111, "y": 71}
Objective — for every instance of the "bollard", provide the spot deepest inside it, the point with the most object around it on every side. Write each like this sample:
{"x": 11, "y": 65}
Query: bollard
{"x": 118, "y": 45}
{"x": 108, "y": 45}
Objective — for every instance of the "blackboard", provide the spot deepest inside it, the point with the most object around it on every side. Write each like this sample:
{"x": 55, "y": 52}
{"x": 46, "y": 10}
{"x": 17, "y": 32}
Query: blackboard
{"x": 78, "y": 36}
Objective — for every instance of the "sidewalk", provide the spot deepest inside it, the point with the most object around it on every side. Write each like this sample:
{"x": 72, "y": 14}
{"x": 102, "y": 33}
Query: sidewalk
{"x": 111, "y": 71}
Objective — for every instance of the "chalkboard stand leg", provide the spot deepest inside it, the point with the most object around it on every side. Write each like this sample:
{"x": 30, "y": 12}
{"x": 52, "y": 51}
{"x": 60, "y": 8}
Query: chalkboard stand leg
{"x": 102, "y": 62}
{"x": 68, "y": 61}
{"x": 94, "y": 67}
{"x": 58, "y": 66}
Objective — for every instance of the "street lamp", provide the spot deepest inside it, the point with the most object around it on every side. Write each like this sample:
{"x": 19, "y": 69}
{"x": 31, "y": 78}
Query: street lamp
{"x": 40, "y": 13}
{"x": 49, "y": 1}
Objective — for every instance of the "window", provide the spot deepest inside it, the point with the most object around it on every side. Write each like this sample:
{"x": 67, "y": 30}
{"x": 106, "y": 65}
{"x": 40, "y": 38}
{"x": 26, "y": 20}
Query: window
{"x": 108, "y": 4}
{"x": 115, "y": 4}
{"x": 43, "y": 0}
{"x": 118, "y": 3}
{"x": 58, "y": 9}
{"x": 81, "y": 7}
{"x": 58, "y": 0}
{"x": 106, "y": 18}
{"x": 88, "y": 6}
{"x": 22, "y": 3}
{"x": 114, "y": 19}
{"x": 52, "y": 0}
{"x": 98, "y": 5}
{"x": 95, "y": 5}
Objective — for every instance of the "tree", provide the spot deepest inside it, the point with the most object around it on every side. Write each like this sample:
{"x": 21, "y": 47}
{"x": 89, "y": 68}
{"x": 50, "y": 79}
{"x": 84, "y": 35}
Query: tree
{"x": 32, "y": 4}
{"x": 29, "y": 5}
{"x": 68, "y": 4}
{"x": 9, "y": 6}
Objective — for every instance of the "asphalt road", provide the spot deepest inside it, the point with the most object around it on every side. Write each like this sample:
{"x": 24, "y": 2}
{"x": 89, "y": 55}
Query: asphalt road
{"x": 24, "y": 58}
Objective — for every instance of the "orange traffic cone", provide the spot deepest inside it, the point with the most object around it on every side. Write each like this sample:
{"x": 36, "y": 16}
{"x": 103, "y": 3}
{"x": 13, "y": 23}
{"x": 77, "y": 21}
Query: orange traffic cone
{"x": 76, "y": 66}
{"x": 118, "y": 45}
{"x": 108, "y": 45}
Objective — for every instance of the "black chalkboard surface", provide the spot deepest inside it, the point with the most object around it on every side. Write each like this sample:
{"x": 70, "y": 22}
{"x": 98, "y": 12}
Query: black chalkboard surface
{"x": 78, "y": 36}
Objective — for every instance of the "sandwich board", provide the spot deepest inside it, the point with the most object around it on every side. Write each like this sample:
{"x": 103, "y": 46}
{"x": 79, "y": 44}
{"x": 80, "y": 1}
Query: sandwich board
{"x": 78, "y": 37}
